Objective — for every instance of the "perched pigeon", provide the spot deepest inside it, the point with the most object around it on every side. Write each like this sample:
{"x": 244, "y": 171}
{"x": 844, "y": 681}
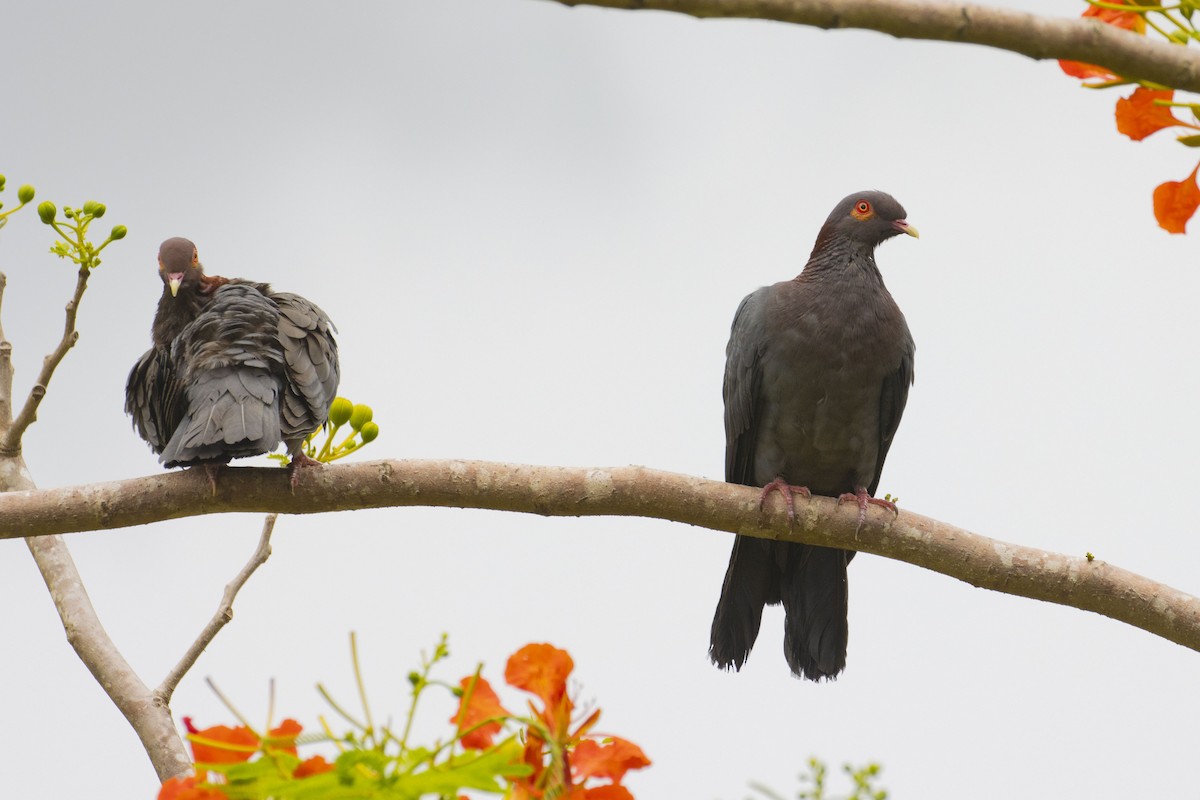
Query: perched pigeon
{"x": 816, "y": 377}
{"x": 235, "y": 367}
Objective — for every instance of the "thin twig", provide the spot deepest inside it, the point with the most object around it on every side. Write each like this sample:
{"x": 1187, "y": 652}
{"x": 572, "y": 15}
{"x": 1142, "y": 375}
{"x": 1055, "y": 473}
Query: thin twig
{"x": 11, "y": 444}
{"x": 221, "y": 618}
{"x": 6, "y": 368}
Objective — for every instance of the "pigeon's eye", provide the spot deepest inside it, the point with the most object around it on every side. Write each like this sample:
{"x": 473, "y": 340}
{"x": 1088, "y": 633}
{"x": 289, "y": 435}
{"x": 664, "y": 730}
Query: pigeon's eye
{"x": 195, "y": 257}
{"x": 863, "y": 206}
{"x": 862, "y": 210}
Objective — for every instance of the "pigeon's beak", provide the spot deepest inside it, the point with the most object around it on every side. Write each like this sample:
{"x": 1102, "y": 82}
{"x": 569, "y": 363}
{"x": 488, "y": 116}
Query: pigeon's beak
{"x": 903, "y": 226}
{"x": 173, "y": 281}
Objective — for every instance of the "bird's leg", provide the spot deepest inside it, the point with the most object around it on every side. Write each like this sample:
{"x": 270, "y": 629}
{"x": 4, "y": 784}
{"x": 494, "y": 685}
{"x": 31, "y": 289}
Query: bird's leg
{"x": 788, "y": 491}
{"x": 860, "y": 496}
{"x": 300, "y": 461}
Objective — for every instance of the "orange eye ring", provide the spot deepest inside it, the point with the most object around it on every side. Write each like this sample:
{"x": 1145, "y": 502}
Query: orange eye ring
{"x": 863, "y": 207}
{"x": 862, "y": 210}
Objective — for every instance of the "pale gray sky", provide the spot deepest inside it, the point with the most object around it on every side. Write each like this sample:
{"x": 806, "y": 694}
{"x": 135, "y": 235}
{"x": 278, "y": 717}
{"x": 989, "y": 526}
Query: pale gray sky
{"x": 533, "y": 225}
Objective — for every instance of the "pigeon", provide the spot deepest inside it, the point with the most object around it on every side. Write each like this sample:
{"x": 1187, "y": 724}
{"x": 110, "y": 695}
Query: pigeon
{"x": 235, "y": 368}
{"x": 816, "y": 377}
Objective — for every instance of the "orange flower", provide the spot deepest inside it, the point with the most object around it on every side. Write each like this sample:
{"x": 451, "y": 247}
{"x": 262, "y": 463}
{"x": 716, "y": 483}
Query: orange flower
{"x": 483, "y": 704}
{"x": 1138, "y": 115}
{"x": 540, "y": 669}
{"x": 312, "y": 766}
{"x": 612, "y": 760}
{"x": 1175, "y": 202}
{"x": 242, "y": 742}
{"x": 180, "y": 788}
{"x": 1129, "y": 20}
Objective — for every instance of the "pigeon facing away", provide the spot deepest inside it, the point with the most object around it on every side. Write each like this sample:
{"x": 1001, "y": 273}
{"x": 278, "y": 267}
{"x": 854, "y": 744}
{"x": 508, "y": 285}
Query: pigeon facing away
{"x": 816, "y": 377}
{"x": 235, "y": 368}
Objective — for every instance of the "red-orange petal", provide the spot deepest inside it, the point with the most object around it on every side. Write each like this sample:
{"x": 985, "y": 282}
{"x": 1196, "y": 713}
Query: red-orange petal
{"x": 590, "y": 759}
{"x": 312, "y": 766}
{"x": 1138, "y": 115}
{"x": 284, "y": 736}
{"x": 1129, "y": 20}
{"x": 484, "y": 704}
{"x": 1175, "y": 202}
{"x": 540, "y": 669}
{"x": 244, "y": 741}
{"x": 185, "y": 788}
{"x": 1078, "y": 69}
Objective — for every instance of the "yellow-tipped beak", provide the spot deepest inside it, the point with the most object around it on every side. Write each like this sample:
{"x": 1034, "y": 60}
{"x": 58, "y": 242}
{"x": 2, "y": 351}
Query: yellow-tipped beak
{"x": 902, "y": 225}
{"x": 173, "y": 284}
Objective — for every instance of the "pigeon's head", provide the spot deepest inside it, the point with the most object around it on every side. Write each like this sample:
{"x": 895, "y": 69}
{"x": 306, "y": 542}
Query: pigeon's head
{"x": 865, "y": 218}
{"x": 179, "y": 264}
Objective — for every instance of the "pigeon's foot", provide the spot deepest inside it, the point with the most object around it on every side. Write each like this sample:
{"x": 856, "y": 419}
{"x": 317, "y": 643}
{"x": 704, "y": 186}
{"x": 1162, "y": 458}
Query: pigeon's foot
{"x": 788, "y": 491}
{"x": 212, "y": 470}
{"x": 300, "y": 461}
{"x": 860, "y": 496}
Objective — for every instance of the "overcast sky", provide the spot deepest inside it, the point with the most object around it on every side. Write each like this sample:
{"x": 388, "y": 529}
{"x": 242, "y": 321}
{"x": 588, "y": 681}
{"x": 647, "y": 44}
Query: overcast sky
{"x": 533, "y": 225}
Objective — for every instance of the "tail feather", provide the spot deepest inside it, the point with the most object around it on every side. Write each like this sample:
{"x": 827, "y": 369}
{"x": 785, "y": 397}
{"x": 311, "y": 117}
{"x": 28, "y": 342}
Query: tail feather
{"x": 751, "y": 582}
{"x": 815, "y": 600}
{"x": 231, "y": 412}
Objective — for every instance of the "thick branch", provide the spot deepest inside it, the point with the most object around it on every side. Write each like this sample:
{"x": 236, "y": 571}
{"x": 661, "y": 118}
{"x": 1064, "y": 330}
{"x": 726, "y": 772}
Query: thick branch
{"x": 1038, "y": 37}
{"x": 222, "y": 616}
{"x": 628, "y": 491}
{"x": 11, "y": 444}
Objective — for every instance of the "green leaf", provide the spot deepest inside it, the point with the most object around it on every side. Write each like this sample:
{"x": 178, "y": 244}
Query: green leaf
{"x": 1189, "y": 141}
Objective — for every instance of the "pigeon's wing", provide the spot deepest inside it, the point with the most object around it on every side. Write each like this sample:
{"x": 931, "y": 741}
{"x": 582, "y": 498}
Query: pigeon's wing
{"x": 892, "y": 399}
{"x": 311, "y": 359}
{"x": 741, "y": 390}
{"x": 153, "y": 398}
{"x": 230, "y": 367}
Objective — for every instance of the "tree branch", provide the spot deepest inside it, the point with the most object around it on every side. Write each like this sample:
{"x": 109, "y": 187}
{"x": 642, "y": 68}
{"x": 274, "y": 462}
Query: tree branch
{"x": 1086, "y": 40}
{"x": 626, "y": 491}
{"x": 221, "y": 618}
{"x": 11, "y": 443}
{"x": 6, "y": 369}
{"x": 151, "y": 722}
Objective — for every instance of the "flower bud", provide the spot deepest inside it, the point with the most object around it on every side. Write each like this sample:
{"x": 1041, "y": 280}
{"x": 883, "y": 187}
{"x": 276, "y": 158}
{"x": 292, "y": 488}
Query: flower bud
{"x": 2, "y": 180}
{"x": 369, "y": 432}
{"x": 339, "y": 412}
{"x": 47, "y": 211}
{"x": 118, "y": 232}
{"x": 90, "y": 206}
{"x": 25, "y": 193}
{"x": 360, "y": 416}
{"x": 99, "y": 210}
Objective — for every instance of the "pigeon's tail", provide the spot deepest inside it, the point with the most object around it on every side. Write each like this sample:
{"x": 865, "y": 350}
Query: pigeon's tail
{"x": 231, "y": 412}
{"x": 751, "y": 582}
{"x": 814, "y": 594}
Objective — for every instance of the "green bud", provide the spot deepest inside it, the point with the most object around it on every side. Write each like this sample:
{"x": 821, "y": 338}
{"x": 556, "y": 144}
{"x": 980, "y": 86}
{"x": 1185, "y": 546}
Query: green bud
{"x": 68, "y": 212}
{"x": 360, "y": 416}
{"x": 339, "y": 412}
{"x": 89, "y": 206}
{"x": 99, "y": 210}
{"x": 2, "y": 180}
{"x": 47, "y": 211}
{"x": 25, "y": 193}
{"x": 414, "y": 678}
{"x": 369, "y": 432}
{"x": 118, "y": 232}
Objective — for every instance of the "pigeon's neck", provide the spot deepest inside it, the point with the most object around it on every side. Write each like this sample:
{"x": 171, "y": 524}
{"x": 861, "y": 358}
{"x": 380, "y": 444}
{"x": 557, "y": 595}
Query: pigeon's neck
{"x": 842, "y": 259}
{"x": 176, "y": 313}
